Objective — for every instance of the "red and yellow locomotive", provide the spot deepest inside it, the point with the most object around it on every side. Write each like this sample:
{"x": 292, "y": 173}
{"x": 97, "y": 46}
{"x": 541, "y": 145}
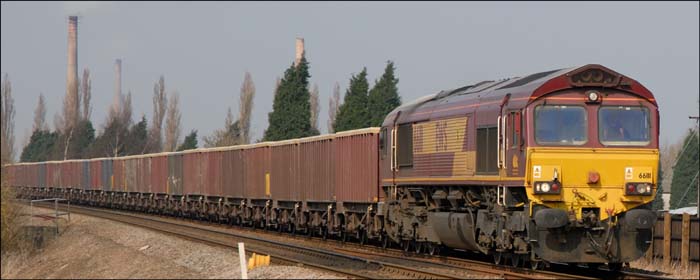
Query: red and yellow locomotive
{"x": 557, "y": 166}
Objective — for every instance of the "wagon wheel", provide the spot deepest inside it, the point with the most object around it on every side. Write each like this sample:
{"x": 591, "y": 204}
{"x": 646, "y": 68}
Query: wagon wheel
{"x": 615, "y": 266}
{"x": 433, "y": 249}
{"x": 497, "y": 257}
{"x": 406, "y": 244}
{"x": 292, "y": 229}
{"x": 363, "y": 237}
{"x": 343, "y": 236}
{"x": 418, "y": 247}
{"x": 324, "y": 233}
{"x": 515, "y": 259}
{"x": 279, "y": 228}
{"x": 309, "y": 232}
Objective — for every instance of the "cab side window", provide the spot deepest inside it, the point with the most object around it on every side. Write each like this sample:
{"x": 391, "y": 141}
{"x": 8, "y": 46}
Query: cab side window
{"x": 515, "y": 123}
{"x": 486, "y": 151}
{"x": 405, "y": 145}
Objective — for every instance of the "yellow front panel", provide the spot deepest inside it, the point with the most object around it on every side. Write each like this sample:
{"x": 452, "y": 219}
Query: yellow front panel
{"x": 616, "y": 166}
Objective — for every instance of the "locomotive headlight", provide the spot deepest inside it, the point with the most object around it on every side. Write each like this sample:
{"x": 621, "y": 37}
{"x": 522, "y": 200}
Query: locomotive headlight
{"x": 643, "y": 188}
{"x": 638, "y": 189}
{"x": 538, "y": 187}
{"x": 545, "y": 187}
{"x": 593, "y": 96}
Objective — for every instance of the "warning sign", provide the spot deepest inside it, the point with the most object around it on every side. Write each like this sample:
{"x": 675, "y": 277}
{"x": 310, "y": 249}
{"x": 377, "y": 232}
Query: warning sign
{"x": 537, "y": 171}
{"x": 628, "y": 173}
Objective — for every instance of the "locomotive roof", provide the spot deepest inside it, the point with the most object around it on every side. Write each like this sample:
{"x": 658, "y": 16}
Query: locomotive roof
{"x": 526, "y": 89}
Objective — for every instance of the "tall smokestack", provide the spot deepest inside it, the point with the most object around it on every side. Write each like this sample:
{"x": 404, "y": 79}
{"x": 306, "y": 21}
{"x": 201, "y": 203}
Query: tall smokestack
{"x": 72, "y": 75}
{"x": 117, "y": 85}
{"x": 300, "y": 51}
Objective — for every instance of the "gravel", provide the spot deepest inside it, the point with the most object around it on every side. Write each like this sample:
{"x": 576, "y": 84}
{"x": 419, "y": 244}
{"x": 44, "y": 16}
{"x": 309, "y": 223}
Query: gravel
{"x": 95, "y": 248}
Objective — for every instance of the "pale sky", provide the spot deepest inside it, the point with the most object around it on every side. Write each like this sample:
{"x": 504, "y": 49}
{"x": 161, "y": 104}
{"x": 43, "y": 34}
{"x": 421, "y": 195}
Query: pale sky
{"x": 204, "y": 48}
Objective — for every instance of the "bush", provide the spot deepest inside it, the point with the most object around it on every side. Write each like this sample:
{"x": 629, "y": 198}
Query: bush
{"x": 10, "y": 222}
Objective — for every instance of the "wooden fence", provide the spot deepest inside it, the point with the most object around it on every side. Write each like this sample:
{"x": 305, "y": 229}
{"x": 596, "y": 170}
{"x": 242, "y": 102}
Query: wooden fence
{"x": 677, "y": 238}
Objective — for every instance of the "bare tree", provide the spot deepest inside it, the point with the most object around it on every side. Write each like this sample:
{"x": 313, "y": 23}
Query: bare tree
{"x": 172, "y": 123}
{"x": 333, "y": 107}
{"x": 160, "y": 103}
{"x": 57, "y": 121}
{"x": 229, "y": 118}
{"x": 7, "y": 121}
{"x": 40, "y": 115}
{"x": 86, "y": 92}
{"x": 227, "y": 136}
{"x": 315, "y": 106}
{"x": 246, "y": 108}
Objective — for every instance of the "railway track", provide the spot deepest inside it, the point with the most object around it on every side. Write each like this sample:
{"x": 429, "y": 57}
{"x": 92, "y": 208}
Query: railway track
{"x": 348, "y": 259}
{"x": 280, "y": 252}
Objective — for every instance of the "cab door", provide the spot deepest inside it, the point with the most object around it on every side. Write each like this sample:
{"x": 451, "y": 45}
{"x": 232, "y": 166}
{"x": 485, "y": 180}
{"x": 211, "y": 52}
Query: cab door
{"x": 513, "y": 145}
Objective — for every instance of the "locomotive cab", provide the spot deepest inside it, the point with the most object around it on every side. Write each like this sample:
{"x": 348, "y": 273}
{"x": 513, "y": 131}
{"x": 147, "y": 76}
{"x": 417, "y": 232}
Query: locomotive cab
{"x": 592, "y": 161}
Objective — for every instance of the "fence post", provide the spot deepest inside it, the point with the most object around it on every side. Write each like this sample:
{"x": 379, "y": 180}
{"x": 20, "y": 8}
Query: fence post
{"x": 667, "y": 238}
{"x": 650, "y": 252}
{"x": 685, "y": 240}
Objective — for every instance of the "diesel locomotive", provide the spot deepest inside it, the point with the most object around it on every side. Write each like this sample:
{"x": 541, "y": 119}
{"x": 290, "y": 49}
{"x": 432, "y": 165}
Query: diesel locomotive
{"x": 557, "y": 166}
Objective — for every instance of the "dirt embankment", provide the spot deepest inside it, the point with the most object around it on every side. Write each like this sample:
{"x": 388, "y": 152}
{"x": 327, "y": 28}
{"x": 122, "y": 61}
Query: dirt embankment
{"x": 95, "y": 248}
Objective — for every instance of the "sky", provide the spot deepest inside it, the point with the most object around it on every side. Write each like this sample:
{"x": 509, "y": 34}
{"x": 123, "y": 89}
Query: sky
{"x": 203, "y": 50}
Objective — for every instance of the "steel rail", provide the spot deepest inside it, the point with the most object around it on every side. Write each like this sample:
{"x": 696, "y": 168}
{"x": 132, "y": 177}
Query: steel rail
{"x": 364, "y": 268}
{"x": 388, "y": 264}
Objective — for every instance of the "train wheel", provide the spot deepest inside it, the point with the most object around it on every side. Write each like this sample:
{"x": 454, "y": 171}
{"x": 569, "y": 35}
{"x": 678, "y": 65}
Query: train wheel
{"x": 343, "y": 236}
{"x": 497, "y": 257}
{"x": 418, "y": 247}
{"x": 535, "y": 265}
{"x": 433, "y": 249}
{"x": 363, "y": 237}
{"x": 406, "y": 245}
{"x": 615, "y": 266}
{"x": 279, "y": 228}
{"x": 309, "y": 232}
{"x": 324, "y": 233}
{"x": 515, "y": 259}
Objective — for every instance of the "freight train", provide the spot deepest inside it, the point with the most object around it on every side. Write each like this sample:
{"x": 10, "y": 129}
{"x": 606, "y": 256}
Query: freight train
{"x": 558, "y": 166}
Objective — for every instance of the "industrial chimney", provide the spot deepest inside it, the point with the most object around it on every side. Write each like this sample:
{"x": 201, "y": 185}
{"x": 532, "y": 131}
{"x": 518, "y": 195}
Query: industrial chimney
{"x": 72, "y": 75}
{"x": 300, "y": 51}
{"x": 117, "y": 85}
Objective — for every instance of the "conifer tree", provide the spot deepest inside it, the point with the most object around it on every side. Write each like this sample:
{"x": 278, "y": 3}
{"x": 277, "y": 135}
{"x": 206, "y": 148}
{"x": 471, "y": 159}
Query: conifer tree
{"x": 684, "y": 185}
{"x": 658, "y": 203}
{"x": 291, "y": 114}
{"x": 190, "y": 141}
{"x": 384, "y": 96}
{"x": 40, "y": 146}
{"x": 354, "y": 114}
